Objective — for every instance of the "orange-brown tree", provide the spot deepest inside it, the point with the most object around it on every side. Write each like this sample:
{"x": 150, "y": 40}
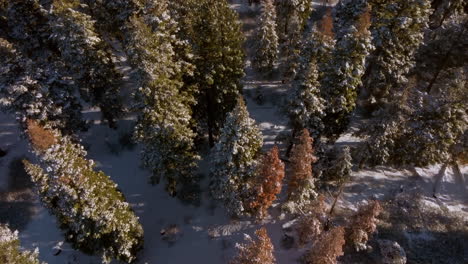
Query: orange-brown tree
{"x": 259, "y": 251}
{"x": 268, "y": 182}
{"x": 327, "y": 247}
{"x": 363, "y": 225}
{"x": 301, "y": 183}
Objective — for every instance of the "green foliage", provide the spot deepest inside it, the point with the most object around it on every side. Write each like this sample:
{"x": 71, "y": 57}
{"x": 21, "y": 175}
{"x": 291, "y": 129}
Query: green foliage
{"x": 266, "y": 46}
{"x": 93, "y": 213}
{"x": 306, "y": 106}
{"x": 164, "y": 105}
{"x": 10, "y": 249}
{"x": 347, "y": 65}
{"x": 235, "y": 160}
{"x": 397, "y": 31}
{"x": 217, "y": 39}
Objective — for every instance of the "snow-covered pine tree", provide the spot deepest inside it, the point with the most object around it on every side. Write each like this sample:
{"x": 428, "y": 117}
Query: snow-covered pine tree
{"x": 266, "y": 39}
{"x": 37, "y": 90}
{"x": 347, "y": 65}
{"x": 444, "y": 51}
{"x": 306, "y": 105}
{"x": 215, "y": 32}
{"x": 397, "y": 30}
{"x": 258, "y": 251}
{"x": 164, "y": 108}
{"x": 291, "y": 20}
{"x": 235, "y": 160}
{"x": 87, "y": 55}
{"x": 318, "y": 46}
{"x": 89, "y": 208}
{"x": 336, "y": 164}
{"x": 418, "y": 128}
{"x": 10, "y": 251}
{"x": 301, "y": 183}
{"x": 292, "y": 9}
{"x": 267, "y": 183}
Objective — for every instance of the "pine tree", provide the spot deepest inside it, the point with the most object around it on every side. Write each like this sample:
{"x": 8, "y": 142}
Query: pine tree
{"x": 266, "y": 48}
{"x": 420, "y": 129}
{"x": 327, "y": 248}
{"x": 217, "y": 39}
{"x": 301, "y": 183}
{"x": 259, "y": 251}
{"x": 336, "y": 164}
{"x": 37, "y": 89}
{"x": 10, "y": 251}
{"x": 61, "y": 32}
{"x": 363, "y": 225}
{"x": 268, "y": 182}
{"x": 163, "y": 125}
{"x": 291, "y": 20}
{"x": 397, "y": 31}
{"x": 318, "y": 47}
{"x": 306, "y": 105}
{"x": 87, "y": 55}
{"x": 235, "y": 160}
{"x": 347, "y": 64}
{"x": 93, "y": 213}
{"x": 287, "y": 10}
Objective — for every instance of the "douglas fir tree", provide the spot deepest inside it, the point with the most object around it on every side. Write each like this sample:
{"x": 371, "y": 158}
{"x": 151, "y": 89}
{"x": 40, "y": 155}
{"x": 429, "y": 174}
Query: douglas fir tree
{"x": 163, "y": 125}
{"x": 10, "y": 251}
{"x": 93, "y": 213}
{"x": 235, "y": 160}
{"x": 266, "y": 39}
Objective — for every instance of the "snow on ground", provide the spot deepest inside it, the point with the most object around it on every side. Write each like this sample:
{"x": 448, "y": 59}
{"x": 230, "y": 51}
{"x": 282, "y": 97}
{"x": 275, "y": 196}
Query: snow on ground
{"x": 207, "y": 234}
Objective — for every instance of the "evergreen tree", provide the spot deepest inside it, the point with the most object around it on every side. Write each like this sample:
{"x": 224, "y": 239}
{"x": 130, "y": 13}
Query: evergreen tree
{"x": 419, "y": 128}
{"x": 163, "y": 125}
{"x": 317, "y": 47}
{"x": 266, "y": 47}
{"x": 87, "y": 55}
{"x": 268, "y": 182}
{"x": 306, "y": 106}
{"x": 301, "y": 183}
{"x": 259, "y": 251}
{"x": 10, "y": 249}
{"x": 235, "y": 160}
{"x": 292, "y": 9}
{"x": 397, "y": 31}
{"x": 217, "y": 39}
{"x": 37, "y": 89}
{"x": 94, "y": 214}
{"x": 291, "y": 20}
{"x": 347, "y": 65}
{"x": 336, "y": 164}
{"x": 62, "y": 33}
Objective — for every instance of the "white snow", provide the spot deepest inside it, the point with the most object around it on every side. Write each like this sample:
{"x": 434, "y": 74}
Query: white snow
{"x": 208, "y": 235}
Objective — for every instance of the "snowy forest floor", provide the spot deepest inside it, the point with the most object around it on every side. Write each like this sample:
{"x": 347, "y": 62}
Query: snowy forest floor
{"x": 204, "y": 234}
